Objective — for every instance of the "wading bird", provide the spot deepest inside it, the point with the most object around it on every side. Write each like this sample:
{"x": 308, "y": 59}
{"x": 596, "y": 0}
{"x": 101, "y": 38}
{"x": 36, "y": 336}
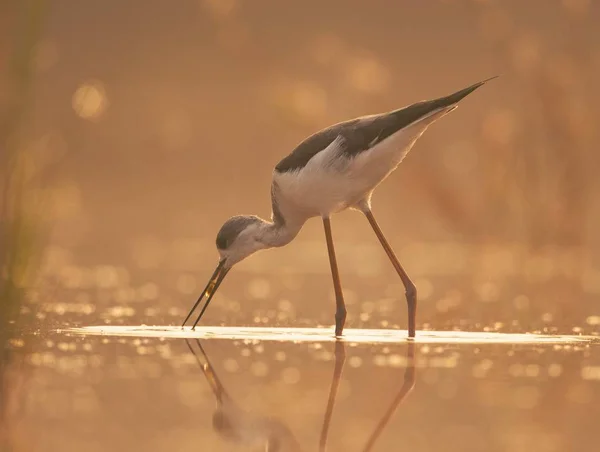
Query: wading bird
{"x": 335, "y": 169}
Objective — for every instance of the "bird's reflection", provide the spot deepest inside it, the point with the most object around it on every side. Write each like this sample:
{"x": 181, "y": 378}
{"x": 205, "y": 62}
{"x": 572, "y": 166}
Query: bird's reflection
{"x": 407, "y": 386}
{"x": 240, "y": 426}
{"x": 252, "y": 430}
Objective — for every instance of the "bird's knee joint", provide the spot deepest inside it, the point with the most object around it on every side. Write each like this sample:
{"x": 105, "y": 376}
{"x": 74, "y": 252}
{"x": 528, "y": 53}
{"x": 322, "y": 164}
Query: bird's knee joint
{"x": 411, "y": 293}
{"x": 340, "y": 314}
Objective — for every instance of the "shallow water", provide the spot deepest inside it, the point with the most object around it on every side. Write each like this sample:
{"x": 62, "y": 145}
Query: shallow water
{"x": 106, "y": 367}
{"x": 369, "y": 336}
{"x": 123, "y": 388}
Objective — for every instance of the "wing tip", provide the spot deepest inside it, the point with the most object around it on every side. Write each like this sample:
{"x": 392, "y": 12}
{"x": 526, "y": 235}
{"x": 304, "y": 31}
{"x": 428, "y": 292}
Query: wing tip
{"x": 461, "y": 94}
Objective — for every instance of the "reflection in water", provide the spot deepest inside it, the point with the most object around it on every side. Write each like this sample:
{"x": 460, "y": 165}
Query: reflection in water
{"x": 120, "y": 394}
{"x": 238, "y": 425}
{"x": 249, "y": 429}
{"x": 409, "y": 383}
{"x": 340, "y": 358}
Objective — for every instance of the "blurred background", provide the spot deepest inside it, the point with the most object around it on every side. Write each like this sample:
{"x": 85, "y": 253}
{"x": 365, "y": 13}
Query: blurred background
{"x": 141, "y": 128}
{"x": 130, "y": 131}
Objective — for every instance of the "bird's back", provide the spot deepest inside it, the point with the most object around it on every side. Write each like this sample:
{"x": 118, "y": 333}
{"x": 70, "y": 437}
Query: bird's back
{"x": 367, "y": 131}
{"x": 312, "y": 145}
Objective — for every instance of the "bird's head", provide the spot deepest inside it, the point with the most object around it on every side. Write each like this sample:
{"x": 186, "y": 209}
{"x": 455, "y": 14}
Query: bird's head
{"x": 239, "y": 237}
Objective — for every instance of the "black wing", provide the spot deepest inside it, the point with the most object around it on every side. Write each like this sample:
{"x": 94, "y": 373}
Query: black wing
{"x": 361, "y": 134}
{"x": 310, "y": 147}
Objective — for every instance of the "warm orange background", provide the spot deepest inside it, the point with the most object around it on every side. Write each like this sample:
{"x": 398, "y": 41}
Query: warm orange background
{"x": 151, "y": 122}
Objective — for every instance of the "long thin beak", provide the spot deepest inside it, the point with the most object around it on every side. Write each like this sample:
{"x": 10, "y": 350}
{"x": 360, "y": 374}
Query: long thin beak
{"x": 211, "y": 288}
{"x": 208, "y": 371}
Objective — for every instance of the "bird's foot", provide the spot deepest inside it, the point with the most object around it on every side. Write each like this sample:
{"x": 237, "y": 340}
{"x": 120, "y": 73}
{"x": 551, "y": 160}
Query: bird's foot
{"x": 340, "y": 320}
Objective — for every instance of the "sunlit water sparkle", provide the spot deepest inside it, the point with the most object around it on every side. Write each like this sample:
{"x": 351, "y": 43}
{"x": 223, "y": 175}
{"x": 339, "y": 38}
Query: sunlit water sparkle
{"x": 372, "y": 336}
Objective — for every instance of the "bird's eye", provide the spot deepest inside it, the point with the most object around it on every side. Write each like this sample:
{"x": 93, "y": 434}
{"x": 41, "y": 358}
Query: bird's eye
{"x": 223, "y": 242}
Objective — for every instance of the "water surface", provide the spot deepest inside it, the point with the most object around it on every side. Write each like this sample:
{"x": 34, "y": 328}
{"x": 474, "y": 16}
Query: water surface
{"x": 123, "y": 388}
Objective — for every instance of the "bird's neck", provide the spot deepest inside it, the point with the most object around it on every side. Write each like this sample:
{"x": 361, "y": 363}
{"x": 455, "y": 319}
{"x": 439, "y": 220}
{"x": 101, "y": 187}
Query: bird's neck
{"x": 279, "y": 234}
